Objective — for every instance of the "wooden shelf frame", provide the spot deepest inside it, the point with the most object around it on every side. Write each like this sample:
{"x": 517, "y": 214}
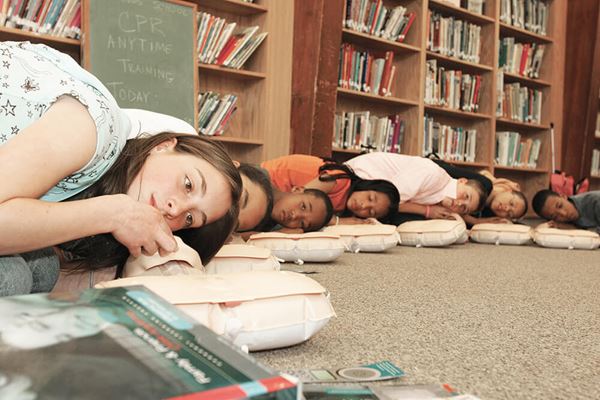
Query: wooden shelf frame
{"x": 232, "y": 6}
{"x": 376, "y": 42}
{"x": 241, "y": 74}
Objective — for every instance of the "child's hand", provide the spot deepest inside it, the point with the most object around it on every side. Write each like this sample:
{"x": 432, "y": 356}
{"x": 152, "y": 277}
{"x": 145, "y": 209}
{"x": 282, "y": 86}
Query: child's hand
{"x": 140, "y": 227}
{"x": 291, "y": 230}
{"x": 356, "y": 221}
{"x": 497, "y": 220}
{"x": 439, "y": 212}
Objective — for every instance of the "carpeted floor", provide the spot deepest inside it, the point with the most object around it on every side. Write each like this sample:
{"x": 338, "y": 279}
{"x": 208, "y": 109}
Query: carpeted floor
{"x": 499, "y": 322}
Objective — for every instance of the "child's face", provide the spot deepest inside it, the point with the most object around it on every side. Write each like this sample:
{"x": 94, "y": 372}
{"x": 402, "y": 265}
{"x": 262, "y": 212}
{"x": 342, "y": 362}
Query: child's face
{"x": 189, "y": 191}
{"x": 559, "y": 209}
{"x": 368, "y": 204}
{"x": 300, "y": 210}
{"x": 466, "y": 202}
{"x": 508, "y": 205}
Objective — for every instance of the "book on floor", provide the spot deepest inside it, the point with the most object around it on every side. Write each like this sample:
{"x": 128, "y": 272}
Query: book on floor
{"x": 124, "y": 342}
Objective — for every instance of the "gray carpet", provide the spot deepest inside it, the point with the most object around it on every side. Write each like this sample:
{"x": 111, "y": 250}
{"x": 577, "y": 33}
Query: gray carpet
{"x": 499, "y": 322}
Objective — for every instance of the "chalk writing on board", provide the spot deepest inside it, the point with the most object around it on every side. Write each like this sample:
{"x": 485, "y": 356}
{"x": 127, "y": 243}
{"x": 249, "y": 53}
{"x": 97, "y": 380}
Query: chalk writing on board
{"x": 143, "y": 51}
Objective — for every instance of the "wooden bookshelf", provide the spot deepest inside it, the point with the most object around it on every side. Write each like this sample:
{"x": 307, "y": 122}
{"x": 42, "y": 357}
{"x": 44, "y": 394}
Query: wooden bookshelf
{"x": 260, "y": 127}
{"x": 411, "y": 71}
{"x": 66, "y": 45}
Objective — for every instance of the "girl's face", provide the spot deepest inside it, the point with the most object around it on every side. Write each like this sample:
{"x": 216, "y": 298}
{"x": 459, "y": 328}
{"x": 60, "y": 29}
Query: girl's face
{"x": 368, "y": 204}
{"x": 188, "y": 190}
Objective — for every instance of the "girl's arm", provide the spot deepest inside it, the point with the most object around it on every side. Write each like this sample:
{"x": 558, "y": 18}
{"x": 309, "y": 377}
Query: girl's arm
{"x": 432, "y": 211}
{"x": 61, "y": 142}
{"x": 471, "y": 220}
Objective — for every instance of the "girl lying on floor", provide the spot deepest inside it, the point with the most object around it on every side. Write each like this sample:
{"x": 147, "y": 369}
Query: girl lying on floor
{"x": 70, "y": 177}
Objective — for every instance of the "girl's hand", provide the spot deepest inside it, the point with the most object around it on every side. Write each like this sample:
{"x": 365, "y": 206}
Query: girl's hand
{"x": 140, "y": 227}
{"x": 439, "y": 212}
{"x": 497, "y": 220}
{"x": 355, "y": 221}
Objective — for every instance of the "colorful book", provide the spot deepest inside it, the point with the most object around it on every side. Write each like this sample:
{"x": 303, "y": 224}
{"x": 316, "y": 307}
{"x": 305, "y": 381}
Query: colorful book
{"x": 118, "y": 343}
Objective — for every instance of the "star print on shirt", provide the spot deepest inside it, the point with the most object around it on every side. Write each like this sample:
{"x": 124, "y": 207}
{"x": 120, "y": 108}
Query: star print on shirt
{"x": 6, "y": 53}
{"x": 30, "y": 85}
{"x": 14, "y": 129}
{"x": 6, "y": 64}
{"x": 3, "y": 138}
{"x": 8, "y": 106}
{"x": 103, "y": 105}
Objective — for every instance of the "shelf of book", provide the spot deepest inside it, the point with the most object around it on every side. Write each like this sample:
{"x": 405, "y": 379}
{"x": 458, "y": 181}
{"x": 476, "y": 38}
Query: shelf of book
{"x": 70, "y": 46}
{"x": 520, "y": 125}
{"x": 468, "y": 164}
{"x": 375, "y": 42}
{"x": 521, "y": 169}
{"x": 231, "y": 73}
{"x": 390, "y": 100}
{"x": 232, "y": 6}
{"x": 595, "y": 177}
{"x": 419, "y": 63}
{"x": 460, "y": 64}
{"x": 523, "y": 34}
{"x": 460, "y": 12}
{"x": 259, "y": 129}
{"x": 455, "y": 113}
{"x": 531, "y": 82}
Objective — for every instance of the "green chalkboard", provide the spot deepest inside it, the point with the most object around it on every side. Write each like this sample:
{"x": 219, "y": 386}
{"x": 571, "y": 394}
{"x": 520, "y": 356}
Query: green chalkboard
{"x": 144, "y": 52}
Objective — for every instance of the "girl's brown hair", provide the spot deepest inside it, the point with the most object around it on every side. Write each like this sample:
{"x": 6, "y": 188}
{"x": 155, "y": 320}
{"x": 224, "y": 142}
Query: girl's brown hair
{"x": 104, "y": 250}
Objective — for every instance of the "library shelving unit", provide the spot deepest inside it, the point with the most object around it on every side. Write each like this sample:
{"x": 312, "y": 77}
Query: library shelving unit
{"x": 411, "y": 58}
{"x": 259, "y": 129}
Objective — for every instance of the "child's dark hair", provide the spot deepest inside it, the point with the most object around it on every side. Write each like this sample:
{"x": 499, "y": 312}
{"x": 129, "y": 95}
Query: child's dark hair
{"x": 479, "y": 188}
{"x": 539, "y": 200}
{"x": 261, "y": 178}
{"x": 377, "y": 185}
{"x": 319, "y": 194}
{"x": 343, "y": 171}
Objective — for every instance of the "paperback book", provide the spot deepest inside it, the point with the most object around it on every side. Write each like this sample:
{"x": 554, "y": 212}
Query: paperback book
{"x": 121, "y": 343}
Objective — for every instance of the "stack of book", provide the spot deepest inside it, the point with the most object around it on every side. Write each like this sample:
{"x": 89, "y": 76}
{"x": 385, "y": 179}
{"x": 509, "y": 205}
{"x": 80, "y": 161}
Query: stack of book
{"x": 453, "y": 37}
{"x": 215, "y": 111}
{"x": 521, "y": 103}
{"x": 366, "y": 71}
{"x": 511, "y": 151}
{"x": 226, "y": 44}
{"x": 449, "y": 143}
{"x": 531, "y": 15}
{"x": 50, "y": 17}
{"x": 523, "y": 59}
{"x": 451, "y": 89}
{"x": 374, "y": 18}
{"x": 363, "y": 131}
{"x": 595, "y": 169}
